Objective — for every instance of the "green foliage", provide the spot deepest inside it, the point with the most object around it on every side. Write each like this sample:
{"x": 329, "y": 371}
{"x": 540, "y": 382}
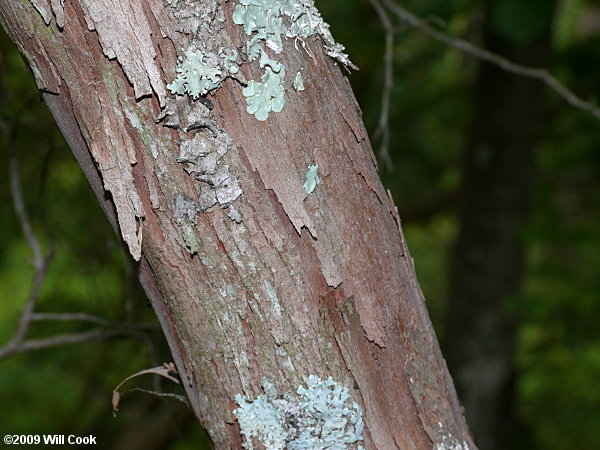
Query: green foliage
{"x": 521, "y": 21}
{"x": 559, "y": 355}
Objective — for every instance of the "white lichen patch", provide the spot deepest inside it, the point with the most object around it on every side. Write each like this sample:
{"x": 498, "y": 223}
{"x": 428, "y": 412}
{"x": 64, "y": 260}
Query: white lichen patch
{"x": 262, "y": 420}
{"x": 312, "y": 179}
{"x": 268, "y": 22}
{"x": 449, "y": 442}
{"x": 210, "y": 58}
{"x": 321, "y": 416}
{"x": 299, "y": 82}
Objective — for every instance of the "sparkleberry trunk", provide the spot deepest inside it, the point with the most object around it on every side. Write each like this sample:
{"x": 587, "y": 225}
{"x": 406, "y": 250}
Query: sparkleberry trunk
{"x": 266, "y": 280}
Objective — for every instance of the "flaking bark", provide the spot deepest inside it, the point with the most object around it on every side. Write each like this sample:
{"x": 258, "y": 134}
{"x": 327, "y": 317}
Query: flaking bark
{"x": 304, "y": 284}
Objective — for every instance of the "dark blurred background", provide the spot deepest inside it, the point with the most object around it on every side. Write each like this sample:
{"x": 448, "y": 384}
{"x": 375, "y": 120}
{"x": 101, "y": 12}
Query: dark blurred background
{"x": 497, "y": 181}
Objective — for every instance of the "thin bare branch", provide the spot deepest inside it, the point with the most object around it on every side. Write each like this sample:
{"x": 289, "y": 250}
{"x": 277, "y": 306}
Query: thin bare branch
{"x": 164, "y": 371}
{"x": 181, "y": 398}
{"x": 22, "y": 215}
{"x": 71, "y": 317}
{"x": 539, "y": 74}
{"x": 383, "y": 129}
{"x": 40, "y": 263}
{"x": 84, "y": 317}
{"x": 41, "y": 204}
{"x": 66, "y": 339}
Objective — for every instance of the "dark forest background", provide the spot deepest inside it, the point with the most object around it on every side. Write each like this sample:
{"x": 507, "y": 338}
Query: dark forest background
{"x": 497, "y": 180}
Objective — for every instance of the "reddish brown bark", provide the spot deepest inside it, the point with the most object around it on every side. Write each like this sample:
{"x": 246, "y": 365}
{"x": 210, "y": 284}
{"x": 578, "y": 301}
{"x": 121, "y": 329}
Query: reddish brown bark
{"x": 306, "y": 284}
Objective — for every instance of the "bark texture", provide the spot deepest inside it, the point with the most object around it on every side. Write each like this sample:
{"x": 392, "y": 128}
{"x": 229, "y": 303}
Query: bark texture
{"x": 303, "y": 284}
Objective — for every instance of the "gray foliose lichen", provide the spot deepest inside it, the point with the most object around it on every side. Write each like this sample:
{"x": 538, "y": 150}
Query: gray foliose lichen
{"x": 204, "y": 149}
{"x": 268, "y": 22}
{"x": 210, "y": 57}
{"x": 185, "y": 215}
{"x": 205, "y": 153}
{"x": 322, "y": 415}
{"x": 203, "y": 158}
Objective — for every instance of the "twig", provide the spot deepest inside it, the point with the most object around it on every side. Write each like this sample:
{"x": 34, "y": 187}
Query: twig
{"x": 181, "y": 398}
{"x": 71, "y": 317}
{"x": 85, "y": 317}
{"x": 539, "y": 74}
{"x": 65, "y": 339}
{"x": 164, "y": 371}
{"x": 383, "y": 129}
{"x": 40, "y": 263}
{"x": 41, "y": 204}
{"x": 19, "y": 205}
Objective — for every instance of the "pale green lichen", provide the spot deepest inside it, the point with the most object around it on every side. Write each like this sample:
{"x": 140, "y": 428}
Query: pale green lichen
{"x": 333, "y": 419}
{"x": 266, "y": 96}
{"x": 199, "y": 74}
{"x": 265, "y": 18}
{"x": 203, "y": 67}
{"x": 268, "y": 21}
{"x": 307, "y": 21}
{"x": 196, "y": 77}
{"x": 190, "y": 239}
{"x": 260, "y": 419}
{"x": 266, "y": 61}
{"x": 229, "y": 61}
{"x": 262, "y": 17}
{"x": 312, "y": 179}
{"x": 298, "y": 82}
{"x": 322, "y": 416}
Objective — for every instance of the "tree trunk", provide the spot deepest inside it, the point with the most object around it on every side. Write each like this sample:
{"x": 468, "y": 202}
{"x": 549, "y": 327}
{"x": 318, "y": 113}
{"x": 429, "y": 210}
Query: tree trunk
{"x": 258, "y": 291}
{"x": 488, "y": 262}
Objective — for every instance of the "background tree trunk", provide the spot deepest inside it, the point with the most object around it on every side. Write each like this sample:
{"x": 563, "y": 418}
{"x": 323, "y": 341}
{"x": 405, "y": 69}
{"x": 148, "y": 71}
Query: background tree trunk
{"x": 318, "y": 284}
{"x": 488, "y": 262}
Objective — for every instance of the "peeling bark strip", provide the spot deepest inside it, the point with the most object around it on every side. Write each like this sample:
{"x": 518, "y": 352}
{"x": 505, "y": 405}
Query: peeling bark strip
{"x": 270, "y": 284}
